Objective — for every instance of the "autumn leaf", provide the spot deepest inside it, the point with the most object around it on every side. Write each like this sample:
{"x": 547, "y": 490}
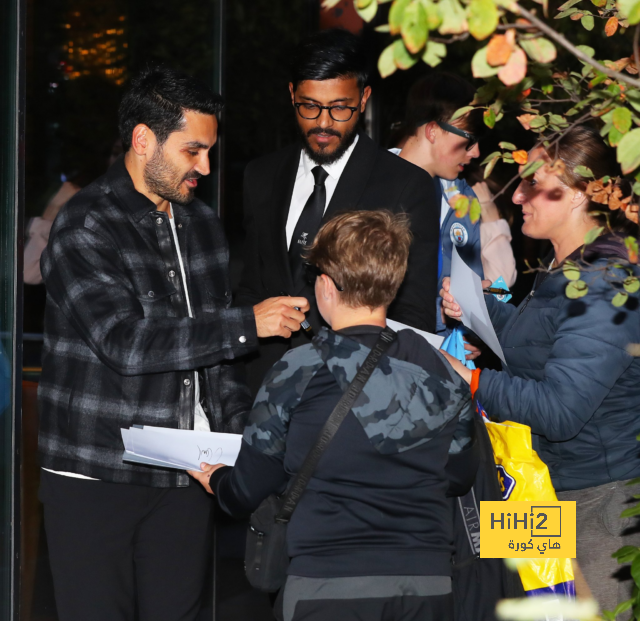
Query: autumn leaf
{"x": 516, "y": 68}
{"x": 520, "y": 157}
{"x": 631, "y": 244}
{"x": 622, "y": 119}
{"x": 576, "y": 16}
{"x": 611, "y": 26}
{"x": 525, "y": 120}
{"x": 489, "y": 117}
{"x": 557, "y": 168}
{"x": 498, "y": 50}
{"x": 460, "y": 205}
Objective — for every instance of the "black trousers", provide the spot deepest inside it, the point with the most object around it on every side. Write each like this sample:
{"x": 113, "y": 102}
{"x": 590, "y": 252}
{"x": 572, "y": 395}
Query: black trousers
{"x": 125, "y": 552}
{"x": 406, "y": 608}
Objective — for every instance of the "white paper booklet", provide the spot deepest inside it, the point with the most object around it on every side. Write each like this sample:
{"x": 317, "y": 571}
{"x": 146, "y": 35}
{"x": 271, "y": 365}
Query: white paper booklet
{"x": 432, "y": 339}
{"x": 466, "y": 288}
{"x": 179, "y": 448}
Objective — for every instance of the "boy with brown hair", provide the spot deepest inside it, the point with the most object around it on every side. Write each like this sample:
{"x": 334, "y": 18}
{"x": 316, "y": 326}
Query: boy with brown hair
{"x": 374, "y": 522}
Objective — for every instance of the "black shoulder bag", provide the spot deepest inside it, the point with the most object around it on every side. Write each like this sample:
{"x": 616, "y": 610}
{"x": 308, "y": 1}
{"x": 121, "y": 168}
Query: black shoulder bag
{"x": 266, "y": 558}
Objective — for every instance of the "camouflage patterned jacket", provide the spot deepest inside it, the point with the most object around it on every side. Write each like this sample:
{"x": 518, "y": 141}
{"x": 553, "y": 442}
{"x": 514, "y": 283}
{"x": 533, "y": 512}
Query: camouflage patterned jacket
{"x": 382, "y": 483}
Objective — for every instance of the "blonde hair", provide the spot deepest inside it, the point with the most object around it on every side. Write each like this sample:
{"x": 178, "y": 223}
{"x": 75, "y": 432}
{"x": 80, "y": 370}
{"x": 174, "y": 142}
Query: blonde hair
{"x": 365, "y": 253}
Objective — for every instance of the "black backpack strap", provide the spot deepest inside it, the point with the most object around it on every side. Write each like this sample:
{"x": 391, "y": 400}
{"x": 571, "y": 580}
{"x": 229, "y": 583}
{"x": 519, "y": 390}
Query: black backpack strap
{"x": 302, "y": 478}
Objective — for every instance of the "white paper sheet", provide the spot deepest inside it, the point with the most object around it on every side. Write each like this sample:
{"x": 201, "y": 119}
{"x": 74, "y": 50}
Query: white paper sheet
{"x": 179, "y": 448}
{"x": 432, "y": 339}
{"x": 466, "y": 288}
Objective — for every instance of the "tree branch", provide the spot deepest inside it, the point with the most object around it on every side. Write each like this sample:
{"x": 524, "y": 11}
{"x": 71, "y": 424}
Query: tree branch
{"x": 636, "y": 39}
{"x": 461, "y": 37}
{"x": 558, "y": 38}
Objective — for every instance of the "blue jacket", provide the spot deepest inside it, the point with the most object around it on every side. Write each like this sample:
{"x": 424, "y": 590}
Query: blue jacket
{"x": 570, "y": 377}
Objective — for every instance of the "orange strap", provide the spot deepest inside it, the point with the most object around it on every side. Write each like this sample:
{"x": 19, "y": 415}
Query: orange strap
{"x": 475, "y": 381}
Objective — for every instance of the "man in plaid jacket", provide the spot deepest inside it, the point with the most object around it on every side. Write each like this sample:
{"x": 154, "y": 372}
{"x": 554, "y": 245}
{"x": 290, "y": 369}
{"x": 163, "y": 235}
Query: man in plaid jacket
{"x": 139, "y": 330}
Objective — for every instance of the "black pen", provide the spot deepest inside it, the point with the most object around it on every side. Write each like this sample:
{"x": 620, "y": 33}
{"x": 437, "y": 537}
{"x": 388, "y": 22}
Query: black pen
{"x": 305, "y": 325}
{"x": 497, "y": 291}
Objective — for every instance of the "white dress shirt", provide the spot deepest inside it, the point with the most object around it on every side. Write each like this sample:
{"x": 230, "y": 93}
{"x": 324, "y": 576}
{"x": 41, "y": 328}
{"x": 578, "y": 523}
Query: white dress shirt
{"x": 303, "y": 186}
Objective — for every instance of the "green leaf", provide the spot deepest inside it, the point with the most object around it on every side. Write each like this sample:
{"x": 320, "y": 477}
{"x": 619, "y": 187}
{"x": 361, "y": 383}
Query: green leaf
{"x": 576, "y": 289}
{"x": 609, "y": 616}
{"x": 475, "y": 210}
{"x": 434, "y": 53}
{"x": 557, "y": 119}
{"x": 631, "y": 284}
{"x": 386, "y": 63}
{"x": 585, "y": 49}
{"x": 461, "y": 112}
{"x": 490, "y": 157}
{"x": 568, "y": 4}
{"x": 620, "y": 298}
{"x": 622, "y": 119}
{"x": 401, "y": 55}
{"x": 565, "y": 14}
{"x": 635, "y": 567}
{"x": 538, "y": 122}
{"x": 482, "y": 16}
{"x": 628, "y": 152}
{"x": 531, "y": 168}
{"x": 434, "y": 18}
{"x": 637, "y": 479}
{"x": 540, "y": 49}
{"x": 480, "y": 67}
{"x": 369, "y": 12}
{"x": 629, "y": 9}
{"x": 489, "y": 117}
{"x": 507, "y": 145}
{"x": 362, "y": 4}
{"x": 571, "y": 271}
{"x": 583, "y": 171}
{"x": 593, "y": 234}
{"x": 453, "y": 17}
{"x": 631, "y": 512}
{"x": 614, "y": 137}
{"x": 461, "y": 206}
{"x": 396, "y": 13}
{"x": 587, "y": 22}
{"x": 414, "y": 27}
{"x": 490, "y": 166}
{"x": 383, "y": 28}
{"x": 626, "y": 554}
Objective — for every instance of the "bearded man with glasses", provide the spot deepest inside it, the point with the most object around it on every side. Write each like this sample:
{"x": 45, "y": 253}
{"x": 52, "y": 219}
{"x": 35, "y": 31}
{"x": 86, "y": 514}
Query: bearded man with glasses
{"x": 334, "y": 167}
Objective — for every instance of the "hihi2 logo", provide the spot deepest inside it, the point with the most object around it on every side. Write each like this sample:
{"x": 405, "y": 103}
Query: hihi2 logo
{"x": 527, "y": 529}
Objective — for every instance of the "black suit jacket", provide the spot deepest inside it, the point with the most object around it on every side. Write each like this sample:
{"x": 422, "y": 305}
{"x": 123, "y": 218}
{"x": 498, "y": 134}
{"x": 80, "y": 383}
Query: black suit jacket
{"x": 372, "y": 179}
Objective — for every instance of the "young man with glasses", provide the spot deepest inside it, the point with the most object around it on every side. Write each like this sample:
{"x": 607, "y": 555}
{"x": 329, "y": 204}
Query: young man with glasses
{"x": 443, "y": 148}
{"x": 334, "y": 167}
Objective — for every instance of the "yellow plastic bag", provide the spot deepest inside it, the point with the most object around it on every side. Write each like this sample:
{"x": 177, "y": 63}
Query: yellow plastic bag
{"x": 524, "y": 476}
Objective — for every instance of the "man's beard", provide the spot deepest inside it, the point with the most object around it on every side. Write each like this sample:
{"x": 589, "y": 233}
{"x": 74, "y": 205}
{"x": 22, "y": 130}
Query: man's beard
{"x": 164, "y": 179}
{"x": 323, "y": 157}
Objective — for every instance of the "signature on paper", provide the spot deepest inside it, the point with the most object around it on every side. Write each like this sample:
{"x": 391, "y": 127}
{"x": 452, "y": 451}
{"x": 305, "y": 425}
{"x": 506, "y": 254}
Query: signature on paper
{"x": 209, "y": 455}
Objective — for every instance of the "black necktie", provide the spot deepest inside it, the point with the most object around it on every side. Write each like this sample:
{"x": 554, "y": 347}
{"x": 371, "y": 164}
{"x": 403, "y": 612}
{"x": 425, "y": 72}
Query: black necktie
{"x": 308, "y": 224}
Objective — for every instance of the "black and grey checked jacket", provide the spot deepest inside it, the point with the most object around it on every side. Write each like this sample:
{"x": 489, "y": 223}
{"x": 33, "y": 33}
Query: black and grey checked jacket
{"x": 119, "y": 346}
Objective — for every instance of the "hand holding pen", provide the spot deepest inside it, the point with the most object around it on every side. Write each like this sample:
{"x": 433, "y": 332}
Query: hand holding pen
{"x": 280, "y": 316}
{"x": 305, "y": 325}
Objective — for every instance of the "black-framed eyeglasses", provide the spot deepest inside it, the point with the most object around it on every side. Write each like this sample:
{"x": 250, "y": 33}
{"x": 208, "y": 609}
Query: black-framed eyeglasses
{"x": 338, "y": 113}
{"x": 473, "y": 140}
{"x": 313, "y": 271}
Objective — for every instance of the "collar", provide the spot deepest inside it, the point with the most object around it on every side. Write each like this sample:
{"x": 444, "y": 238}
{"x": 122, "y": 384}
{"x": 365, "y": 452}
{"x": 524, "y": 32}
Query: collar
{"x": 335, "y": 169}
{"x": 138, "y": 204}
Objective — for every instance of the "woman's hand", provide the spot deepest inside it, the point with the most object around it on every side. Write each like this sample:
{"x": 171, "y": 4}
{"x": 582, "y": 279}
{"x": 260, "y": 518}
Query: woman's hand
{"x": 458, "y": 367}
{"x": 204, "y": 477}
{"x": 489, "y": 209}
{"x": 449, "y": 306}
